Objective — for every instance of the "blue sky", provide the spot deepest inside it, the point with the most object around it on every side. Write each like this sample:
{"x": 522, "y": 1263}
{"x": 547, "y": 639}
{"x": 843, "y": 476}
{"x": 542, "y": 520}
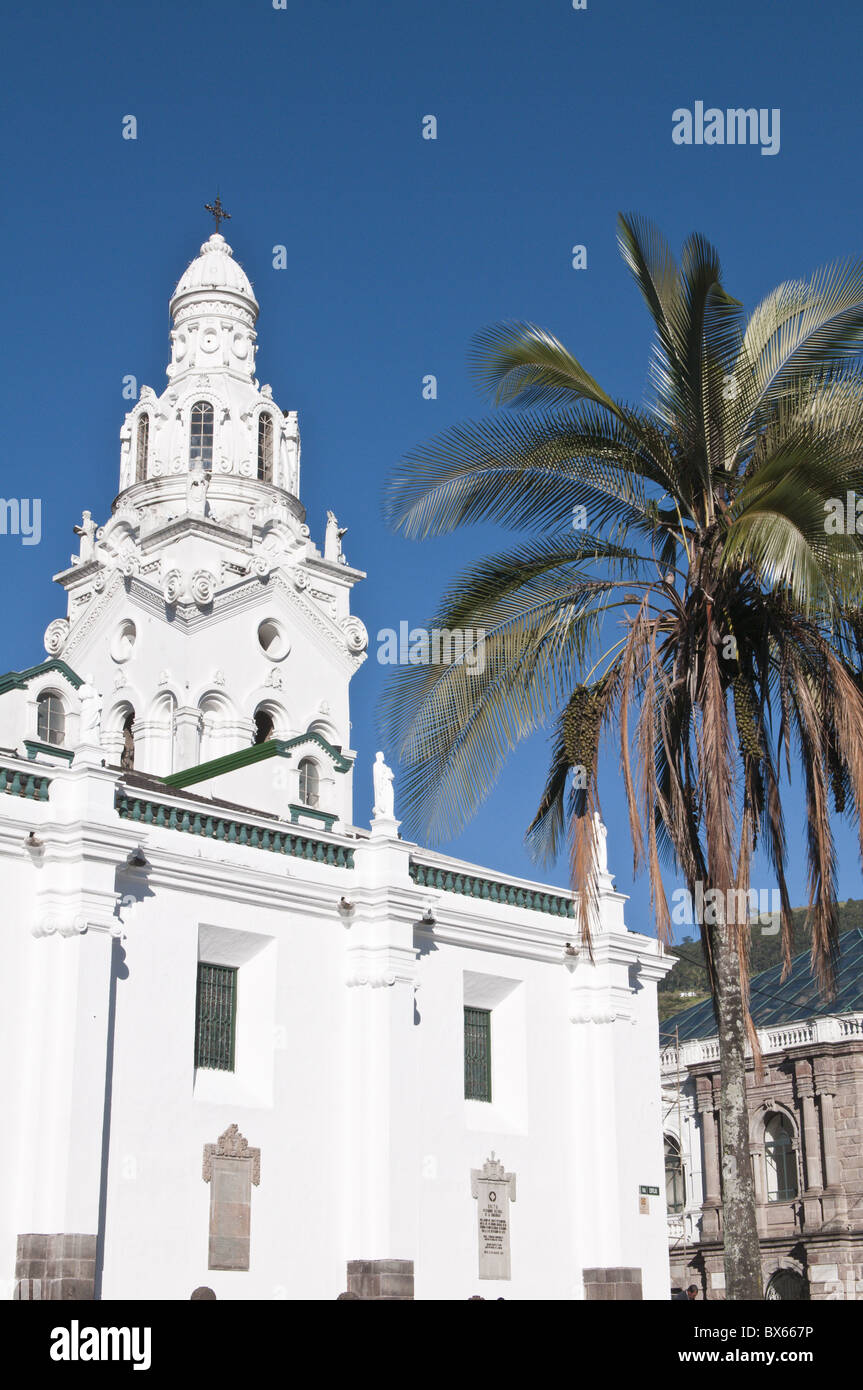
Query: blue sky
{"x": 308, "y": 120}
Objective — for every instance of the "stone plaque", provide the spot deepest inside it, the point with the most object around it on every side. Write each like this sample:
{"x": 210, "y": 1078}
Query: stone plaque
{"x": 230, "y": 1167}
{"x": 494, "y": 1190}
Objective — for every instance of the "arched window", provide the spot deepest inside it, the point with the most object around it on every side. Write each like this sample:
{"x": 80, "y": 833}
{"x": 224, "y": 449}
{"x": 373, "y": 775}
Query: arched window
{"x": 142, "y": 445}
{"x": 201, "y": 435}
{"x": 265, "y": 449}
{"x": 675, "y": 1187}
{"x": 310, "y": 782}
{"x": 127, "y": 757}
{"x": 263, "y": 726}
{"x": 50, "y": 718}
{"x": 780, "y": 1159}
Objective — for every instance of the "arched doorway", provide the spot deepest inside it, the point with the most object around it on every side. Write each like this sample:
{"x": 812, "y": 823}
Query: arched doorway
{"x": 787, "y": 1286}
{"x": 127, "y": 756}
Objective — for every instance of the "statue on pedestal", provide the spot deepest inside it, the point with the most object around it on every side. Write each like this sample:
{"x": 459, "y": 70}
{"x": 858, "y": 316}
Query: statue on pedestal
{"x": 384, "y": 807}
{"x": 600, "y": 840}
{"x": 197, "y": 484}
{"x": 87, "y": 532}
{"x": 333, "y": 539}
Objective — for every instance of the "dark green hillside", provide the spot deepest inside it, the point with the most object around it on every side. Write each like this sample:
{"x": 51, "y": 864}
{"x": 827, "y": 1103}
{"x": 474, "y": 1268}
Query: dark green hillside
{"x": 686, "y": 984}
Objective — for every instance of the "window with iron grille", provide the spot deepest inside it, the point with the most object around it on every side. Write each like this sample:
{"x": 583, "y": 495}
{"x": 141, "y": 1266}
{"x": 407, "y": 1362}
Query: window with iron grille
{"x": 477, "y": 1054}
{"x": 201, "y": 435}
{"x": 50, "y": 718}
{"x": 142, "y": 446}
{"x": 310, "y": 782}
{"x": 215, "y": 1016}
{"x": 780, "y": 1159}
{"x": 675, "y": 1187}
{"x": 265, "y": 448}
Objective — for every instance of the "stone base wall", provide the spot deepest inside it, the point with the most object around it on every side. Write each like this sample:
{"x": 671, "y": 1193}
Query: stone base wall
{"x": 831, "y": 1265}
{"x": 387, "y": 1279}
{"x": 612, "y": 1285}
{"x": 55, "y": 1267}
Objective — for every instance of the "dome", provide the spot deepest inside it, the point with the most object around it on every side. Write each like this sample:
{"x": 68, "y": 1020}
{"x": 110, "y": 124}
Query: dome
{"x": 214, "y": 269}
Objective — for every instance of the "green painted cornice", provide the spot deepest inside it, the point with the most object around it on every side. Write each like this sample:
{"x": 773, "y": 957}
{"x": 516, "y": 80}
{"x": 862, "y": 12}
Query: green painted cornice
{"x": 214, "y": 825}
{"x": 54, "y": 750}
{"x": 256, "y": 753}
{"x": 490, "y": 890}
{"x": 19, "y": 680}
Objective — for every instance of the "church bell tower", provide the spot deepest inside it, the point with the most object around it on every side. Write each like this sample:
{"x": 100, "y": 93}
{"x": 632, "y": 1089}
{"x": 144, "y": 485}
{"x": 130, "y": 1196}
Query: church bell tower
{"x": 202, "y": 609}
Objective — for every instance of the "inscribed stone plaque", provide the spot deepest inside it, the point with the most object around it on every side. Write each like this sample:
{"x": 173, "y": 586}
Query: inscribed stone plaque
{"x": 493, "y": 1189}
{"x": 230, "y": 1167}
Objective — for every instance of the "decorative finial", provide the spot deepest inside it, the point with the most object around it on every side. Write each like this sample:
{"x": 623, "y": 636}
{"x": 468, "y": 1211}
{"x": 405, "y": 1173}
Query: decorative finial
{"x": 217, "y": 212}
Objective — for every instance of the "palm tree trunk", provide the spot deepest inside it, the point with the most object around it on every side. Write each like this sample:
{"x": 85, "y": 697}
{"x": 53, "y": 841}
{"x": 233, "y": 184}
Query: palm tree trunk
{"x": 742, "y": 1251}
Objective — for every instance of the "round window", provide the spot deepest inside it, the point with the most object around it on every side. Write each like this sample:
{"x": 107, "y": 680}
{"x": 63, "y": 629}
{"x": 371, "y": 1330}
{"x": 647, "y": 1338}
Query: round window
{"x": 272, "y": 639}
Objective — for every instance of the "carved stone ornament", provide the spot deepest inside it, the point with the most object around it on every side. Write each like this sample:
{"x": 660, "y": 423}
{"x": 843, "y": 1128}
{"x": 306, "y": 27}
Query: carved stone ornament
{"x": 172, "y": 586}
{"x": 55, "y": 636}
{"x": 260, "y": 565}
{"x": 203, "y": 586}
{"x": 355, "y": 634}
{"x": 300, "y": 579}
{"x": 491, "y": 1171}
{"x": 231, "y": 1144}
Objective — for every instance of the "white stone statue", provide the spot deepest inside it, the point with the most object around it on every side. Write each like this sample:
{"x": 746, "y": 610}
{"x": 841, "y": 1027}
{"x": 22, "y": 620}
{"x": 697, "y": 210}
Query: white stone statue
{"x": 91, "y": 711}
{"x": 197, "y": 484}
{"x": 384, "y": 807}
{"x": 600, "y": 840}
{"x": 333, "y": 539}
{"x": 288, "y": 462}
{"x": 125, "y": 452}
{"x": 87, "y": 532}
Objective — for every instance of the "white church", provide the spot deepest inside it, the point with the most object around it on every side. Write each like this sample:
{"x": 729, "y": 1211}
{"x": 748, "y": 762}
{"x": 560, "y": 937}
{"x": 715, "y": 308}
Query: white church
{"x": 252, "y": 1049}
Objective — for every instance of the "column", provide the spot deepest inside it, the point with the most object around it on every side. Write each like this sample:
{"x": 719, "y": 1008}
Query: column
{"x": 66, "y": 1042}
{"x": 813, "y": 1179}
{"x": 828, "y": 1131}
{"x": 712, "y": 1196}
{"x": 384, "y": 1090}
{"x": 833, "y": 1201}
{"x": 187, "y": 737}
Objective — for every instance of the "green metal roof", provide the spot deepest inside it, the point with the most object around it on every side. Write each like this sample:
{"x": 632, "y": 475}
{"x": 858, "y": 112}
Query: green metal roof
{"x": 255, "y": 753}
{"x": 774, "y": 1000}
{"x": 18, "y": 680}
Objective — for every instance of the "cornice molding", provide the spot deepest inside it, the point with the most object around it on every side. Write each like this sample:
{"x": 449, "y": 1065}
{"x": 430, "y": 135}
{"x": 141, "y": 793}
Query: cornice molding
{"x": 256, "y": 753}
{"x": 219, "y": 825}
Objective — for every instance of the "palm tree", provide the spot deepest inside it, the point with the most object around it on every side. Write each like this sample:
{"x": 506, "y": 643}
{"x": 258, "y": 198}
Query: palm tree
{"x": 701, "y": 612}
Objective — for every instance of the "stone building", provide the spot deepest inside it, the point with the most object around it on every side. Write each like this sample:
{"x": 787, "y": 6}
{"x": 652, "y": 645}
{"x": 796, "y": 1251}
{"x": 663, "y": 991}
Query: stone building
{"x": 249, "y": 1044}
{"x": 806, "y": 1135}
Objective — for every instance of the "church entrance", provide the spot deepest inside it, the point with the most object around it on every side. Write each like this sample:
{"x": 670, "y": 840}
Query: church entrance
{"x": 788, "y": 1286}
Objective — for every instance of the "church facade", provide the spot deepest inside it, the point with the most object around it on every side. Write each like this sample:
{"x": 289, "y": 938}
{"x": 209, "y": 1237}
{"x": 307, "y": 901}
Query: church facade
{"x": 250, "y": 1045}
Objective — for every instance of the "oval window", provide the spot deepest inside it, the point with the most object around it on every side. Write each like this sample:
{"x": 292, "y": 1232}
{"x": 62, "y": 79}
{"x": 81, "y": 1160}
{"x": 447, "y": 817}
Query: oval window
{"x": 123, "y": 640}
{"x": 272, "y": 639}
